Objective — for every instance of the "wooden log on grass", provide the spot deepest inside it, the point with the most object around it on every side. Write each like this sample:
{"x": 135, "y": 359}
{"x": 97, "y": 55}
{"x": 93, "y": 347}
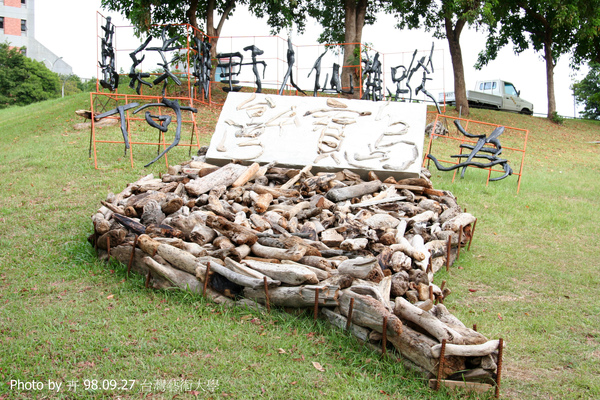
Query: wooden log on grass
{"x": 292, "y": 274}
{"x": 369, "y": 312}
{"x": 296, "y": 296}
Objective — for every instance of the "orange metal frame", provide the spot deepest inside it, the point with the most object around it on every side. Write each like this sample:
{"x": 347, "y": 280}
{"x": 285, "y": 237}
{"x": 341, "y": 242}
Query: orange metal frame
{"x": 463, "y": 139}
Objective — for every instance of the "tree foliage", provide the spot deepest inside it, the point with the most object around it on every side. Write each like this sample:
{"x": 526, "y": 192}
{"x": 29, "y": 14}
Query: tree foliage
{"x": 24, "y": 81}
{"x": 587, "y": 92}
{"x": 447, "y": 19}
{"x": 546, "y": 26}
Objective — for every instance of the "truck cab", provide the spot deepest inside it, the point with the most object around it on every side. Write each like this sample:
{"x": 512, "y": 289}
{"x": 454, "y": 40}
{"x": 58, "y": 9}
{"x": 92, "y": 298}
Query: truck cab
{"x": 496, "y": 94}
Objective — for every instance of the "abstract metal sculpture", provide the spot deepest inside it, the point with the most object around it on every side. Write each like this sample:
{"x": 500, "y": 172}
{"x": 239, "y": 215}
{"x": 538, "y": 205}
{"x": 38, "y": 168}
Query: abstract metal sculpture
{"x": 202, "y": 65}
{"x": 256, "y": 52}
{"x": 372, "y": 70}
{"x": 136, "y": 76}
{"x": 289, "y": 74}
{"x": 317, "y": 68}
{"x": 121, "y": 111}
{"x": 174, "y": 105}
{"x": 482, "y": 140}
{"x": 231, "y": 65}
{"x": 166, "y": 47}
{"x": 110, "y": 77}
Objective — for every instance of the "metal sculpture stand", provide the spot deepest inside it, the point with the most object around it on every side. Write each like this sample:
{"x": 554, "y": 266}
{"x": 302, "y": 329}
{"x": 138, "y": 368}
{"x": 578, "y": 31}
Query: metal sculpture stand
{"x": 482, "y": 140}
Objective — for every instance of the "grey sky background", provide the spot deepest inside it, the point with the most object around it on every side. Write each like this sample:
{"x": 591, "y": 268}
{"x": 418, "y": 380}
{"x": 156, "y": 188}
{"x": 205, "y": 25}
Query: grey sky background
{"x": 68, "y": 28}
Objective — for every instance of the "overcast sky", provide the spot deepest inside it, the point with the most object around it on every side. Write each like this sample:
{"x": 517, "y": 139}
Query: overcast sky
{"x": 68, "y": 28}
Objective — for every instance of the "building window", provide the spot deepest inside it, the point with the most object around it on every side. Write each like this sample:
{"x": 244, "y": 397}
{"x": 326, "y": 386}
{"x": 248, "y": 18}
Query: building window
{"x": 1, "y": 23}
{"x": 23, "y": 3}
{"x": 23, "y": 26}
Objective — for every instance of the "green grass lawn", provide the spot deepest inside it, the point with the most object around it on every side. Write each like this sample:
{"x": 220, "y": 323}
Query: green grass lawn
{"x": 531, "y": 277}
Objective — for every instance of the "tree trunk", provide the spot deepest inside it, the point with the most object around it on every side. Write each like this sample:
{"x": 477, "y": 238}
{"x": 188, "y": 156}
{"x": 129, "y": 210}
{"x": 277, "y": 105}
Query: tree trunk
{"x": 214, "y": 32}
{"x": 460, "y": 91}
{"x": 549, "y": 75}
{"x": 354, "y": 20}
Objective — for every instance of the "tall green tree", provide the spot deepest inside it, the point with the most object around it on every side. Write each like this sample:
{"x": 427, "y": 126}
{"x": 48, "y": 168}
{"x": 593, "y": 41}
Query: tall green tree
{"x": 447, "y": 19}
{"x": 587, "y": 92}
{"x": 24, "y": 81}
{"x": 547, "y": 26}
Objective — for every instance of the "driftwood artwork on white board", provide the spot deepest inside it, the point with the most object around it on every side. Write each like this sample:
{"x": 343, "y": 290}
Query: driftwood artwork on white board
{"x": 330, "y": 134}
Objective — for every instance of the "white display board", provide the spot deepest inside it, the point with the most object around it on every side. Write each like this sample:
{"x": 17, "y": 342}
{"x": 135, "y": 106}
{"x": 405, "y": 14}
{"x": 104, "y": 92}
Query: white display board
{"x": 295, "y": 131}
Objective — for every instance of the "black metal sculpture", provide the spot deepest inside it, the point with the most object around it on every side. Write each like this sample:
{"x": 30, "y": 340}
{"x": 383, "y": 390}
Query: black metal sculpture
{"x": 231, "y": 65}
{"x": 482, "y": 140}
{"x": 335, "y": 82}
{"x": 317, "y": 68}
{"x": 136, "y": 76}
{"x": 291, "y": 58}
{"x": 421, "y": 88}
{"x": 110, "y": 77}
{"x": 166, "y": 47}
{"x": 121, "y": 111}
{"x": 373, "y": 83}
{"x": 202, "y": 65}
{"x": 255, "y": 51}
{"x": 165, "y": 121}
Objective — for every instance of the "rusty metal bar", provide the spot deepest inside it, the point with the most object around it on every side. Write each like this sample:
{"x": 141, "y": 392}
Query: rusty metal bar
{"x": 472, "y": 234}
{"x": 132, "y": 255}
{"x": 205, "y": 287}
{"x": 499, "y": 370}
{"x": 460, "y": 232}
{"x": 350, "y": 309}
{"x": 448, "y": 248}
{"x": 441, "y": 365}
{"x": 384, "y": 337}
{"x": 267, "y": 300}
{"x": 316, "y": 303}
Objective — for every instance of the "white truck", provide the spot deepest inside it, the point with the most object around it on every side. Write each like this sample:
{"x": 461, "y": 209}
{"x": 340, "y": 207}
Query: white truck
{"x": 496, "y": 94}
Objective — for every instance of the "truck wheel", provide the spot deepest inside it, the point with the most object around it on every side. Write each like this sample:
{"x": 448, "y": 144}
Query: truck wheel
{"x": 526, "y": 111}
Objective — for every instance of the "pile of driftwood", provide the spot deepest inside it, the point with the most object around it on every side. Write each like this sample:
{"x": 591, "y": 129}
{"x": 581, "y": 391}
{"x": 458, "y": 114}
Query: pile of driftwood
{"x": 363, "y": 251}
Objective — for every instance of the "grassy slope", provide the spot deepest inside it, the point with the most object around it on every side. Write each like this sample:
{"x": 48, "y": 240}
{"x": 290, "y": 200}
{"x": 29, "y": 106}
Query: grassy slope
{"x": 66, "y": 317}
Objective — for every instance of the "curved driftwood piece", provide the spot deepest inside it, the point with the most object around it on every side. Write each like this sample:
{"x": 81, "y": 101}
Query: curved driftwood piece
{"x": 193, "y": 248}
{"x": 181, "y": 279}
{"x": 246, "y": 176}
{"x": 369, "y": 312}
{"x": 240, "y": 279}
{"x": 436, "y": 328}
{"x": 341, "y": 194}
{"x": 291, "y": 274}
{"x": 473, "y": 350}
{"x": 404, "y": 246}
{"x": 461, "y": 220}
{"x": 275, "y": 192}
{"x": 294, "y": 254}
{"x": 202, "y": 234}
{"x": 237, "y": 233}
{"x": 245, "y": 270}
{"x": 296, "y": 296}
{"x": 321, "y": 275}
{"x": 362, "y": 268}
{"x": 225, "y": 175}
